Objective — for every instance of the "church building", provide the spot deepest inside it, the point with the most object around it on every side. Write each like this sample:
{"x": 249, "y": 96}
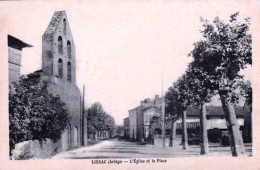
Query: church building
{"x": 59, "y": 71}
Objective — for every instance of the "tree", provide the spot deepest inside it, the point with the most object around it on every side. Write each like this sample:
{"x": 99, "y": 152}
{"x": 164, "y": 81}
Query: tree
{"x": 201, "y": 94}
{"x": 109, "y": 123}
{"x": 96, "y": 116}
{"x": 178, "y": 100}
{"x": 119, "y": 130}
{"x": 34, "y": 113}
{"x": 184, "y": 98}
{"x": 225, "y": 50}
{"x": 99, "y": 119}
{"x": 172, "y": 112}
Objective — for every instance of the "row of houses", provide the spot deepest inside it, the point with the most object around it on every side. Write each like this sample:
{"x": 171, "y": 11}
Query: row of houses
{"x": 140, "y": 125}
{"x": 136, "y": 126}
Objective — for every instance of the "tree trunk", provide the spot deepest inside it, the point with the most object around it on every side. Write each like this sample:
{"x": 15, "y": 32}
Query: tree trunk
{"x": 184, "y": 131}
{"x": 174, "y": 142}
{"x": 173, "y": 134}
{"x": 204, "y": 144}
{"x": 236, "y": 141}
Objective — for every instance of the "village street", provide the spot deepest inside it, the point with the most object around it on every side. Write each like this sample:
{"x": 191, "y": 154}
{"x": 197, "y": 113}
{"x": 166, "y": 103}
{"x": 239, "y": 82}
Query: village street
{"x": 121, "y": 149}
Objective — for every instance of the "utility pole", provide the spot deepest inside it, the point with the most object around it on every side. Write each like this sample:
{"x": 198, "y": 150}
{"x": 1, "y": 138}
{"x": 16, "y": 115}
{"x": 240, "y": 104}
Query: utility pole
{"x": 83, "y": 114}
{"x": 80, "y": 117}
{"x": 163, "y": 116}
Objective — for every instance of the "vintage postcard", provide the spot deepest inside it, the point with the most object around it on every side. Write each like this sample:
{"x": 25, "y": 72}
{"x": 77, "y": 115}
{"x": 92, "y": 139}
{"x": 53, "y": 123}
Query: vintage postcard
{"x": 129, "y": 84}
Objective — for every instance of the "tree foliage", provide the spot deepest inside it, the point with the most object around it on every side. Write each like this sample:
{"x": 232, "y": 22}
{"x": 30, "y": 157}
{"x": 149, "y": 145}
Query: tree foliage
{"x": 119, "y": 129}
{"x": 199, "y": 85}
{"x": 225, "y": 50}
{"x": 34, "y": 113}
{"x": 178, "y": 96}
{"x": 247, "y": 92}
{"x": 98, "y": 119}
{"x": 172, "y": 104}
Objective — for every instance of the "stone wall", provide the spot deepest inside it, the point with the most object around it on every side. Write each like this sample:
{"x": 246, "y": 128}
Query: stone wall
{"x": 70, "y": 95}
{"x": 159, "y": 141}
{"x": 35, "y": 149}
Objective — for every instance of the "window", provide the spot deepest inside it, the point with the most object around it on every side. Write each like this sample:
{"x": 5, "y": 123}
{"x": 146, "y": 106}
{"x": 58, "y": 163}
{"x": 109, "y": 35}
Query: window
{"x": 60, "y": 45}
{"x": 146, "y": 119}
{"x": 60, "y": 68}
{"x": 69, "y": 71}
{"x": 64, "y": 26}
{"x": 69, "y": 49}
{"x": 157, "y": 131}
{"x": 75, "y": 136}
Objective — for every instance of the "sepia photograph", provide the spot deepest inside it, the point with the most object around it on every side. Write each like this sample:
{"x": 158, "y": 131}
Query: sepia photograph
{"x": 129, "y": 82}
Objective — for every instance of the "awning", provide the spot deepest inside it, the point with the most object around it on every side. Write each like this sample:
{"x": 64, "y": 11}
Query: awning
{"x": 190, "y": 125}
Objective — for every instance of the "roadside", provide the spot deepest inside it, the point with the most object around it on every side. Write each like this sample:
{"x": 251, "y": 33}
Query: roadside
{"x": 114, "y": 148}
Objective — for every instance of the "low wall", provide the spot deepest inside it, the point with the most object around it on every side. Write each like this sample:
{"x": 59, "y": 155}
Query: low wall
{"x": 159, "y": 141}
{"x": 35, "y": 150}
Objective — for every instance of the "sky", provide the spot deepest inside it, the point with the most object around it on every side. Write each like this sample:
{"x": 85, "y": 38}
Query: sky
{"x": 122, "y": 47}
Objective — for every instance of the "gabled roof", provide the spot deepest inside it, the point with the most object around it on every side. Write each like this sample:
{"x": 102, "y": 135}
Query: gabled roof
{"x": 150, "y": 107}
{"x": 135, "y": 108}
{"x": 214, "y": 111}
{"x": 16, "y": 43}
{"x": 55, "y": 20}
{"x": 193, "y": 111}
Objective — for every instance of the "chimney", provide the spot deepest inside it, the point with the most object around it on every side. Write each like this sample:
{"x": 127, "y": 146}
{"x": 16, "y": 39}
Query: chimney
{"x": 156, "y": 99}
{"x": 148, "y": 100}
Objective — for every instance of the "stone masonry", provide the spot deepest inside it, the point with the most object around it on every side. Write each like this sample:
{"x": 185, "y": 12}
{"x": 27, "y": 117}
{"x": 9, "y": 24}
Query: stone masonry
{"x": 59, "y": 70}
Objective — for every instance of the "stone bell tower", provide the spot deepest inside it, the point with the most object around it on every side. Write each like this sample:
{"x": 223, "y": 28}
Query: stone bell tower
{"x": 59, "y": 70}
{"x": 58, "y": 50}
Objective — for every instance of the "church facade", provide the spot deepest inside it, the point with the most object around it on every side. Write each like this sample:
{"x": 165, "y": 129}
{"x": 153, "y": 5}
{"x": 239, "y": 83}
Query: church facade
{"x": 59, "y": 71}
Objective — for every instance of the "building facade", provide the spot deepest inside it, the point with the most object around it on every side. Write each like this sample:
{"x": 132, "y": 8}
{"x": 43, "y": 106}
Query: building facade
{"x": 132, "y": 123}
{"x": 139, "y": 117}
{"x": 59, "y": 71}
{"x": 149, "y": 113}
{"x": 15, "y": 47}
{"x": 247, "y": 133}
{"x": 216, "y": 123}
{"x": 145, "y": 122}
{"x": 126, "y": 128}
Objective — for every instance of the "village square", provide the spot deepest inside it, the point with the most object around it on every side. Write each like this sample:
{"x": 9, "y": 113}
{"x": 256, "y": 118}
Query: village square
{"x": 49, "y": 118}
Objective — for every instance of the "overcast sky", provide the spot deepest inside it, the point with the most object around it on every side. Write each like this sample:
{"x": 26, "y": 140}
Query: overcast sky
{"x": 122, "y": 49}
